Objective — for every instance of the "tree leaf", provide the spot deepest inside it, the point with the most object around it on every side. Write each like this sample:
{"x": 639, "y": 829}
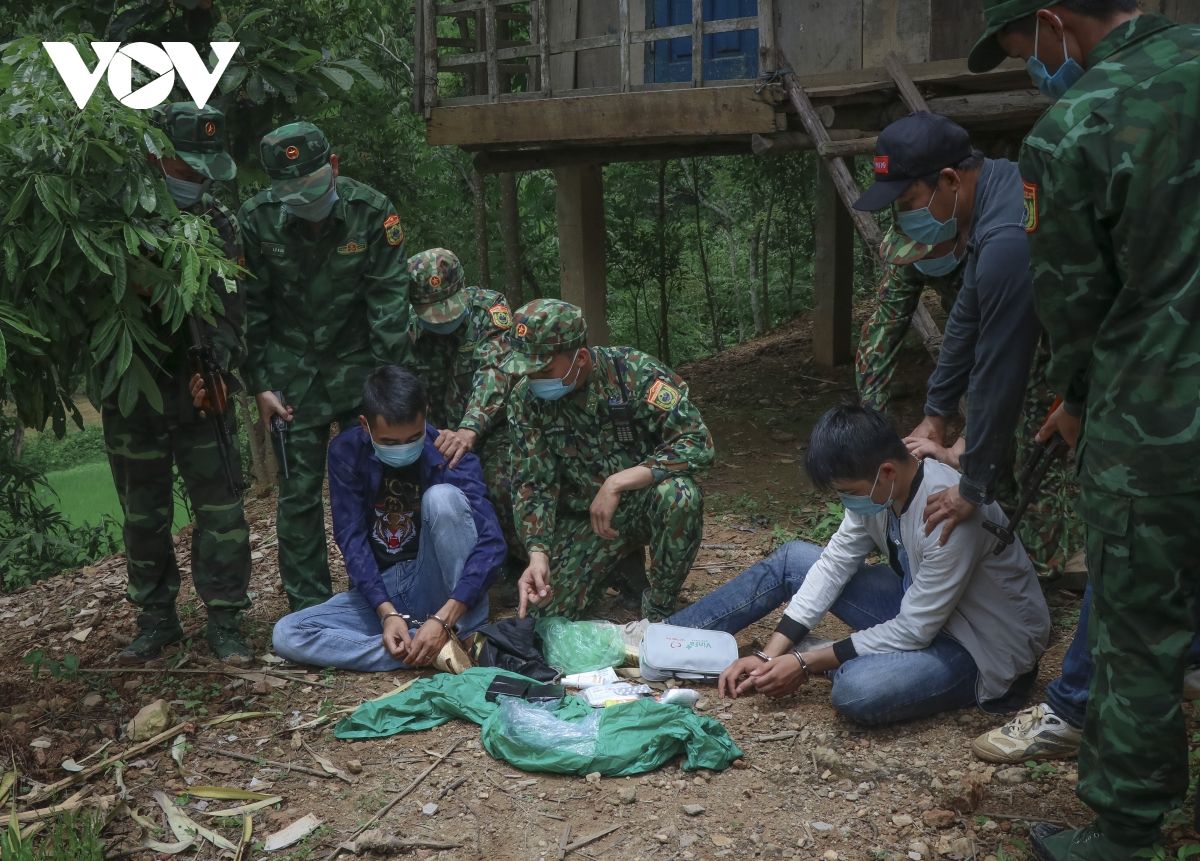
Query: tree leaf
{"x": 127, "y": 393}
{"x": 19, "y": 201}
{"x": 124, "y": 353}
{"x": 250, "y": 17}
{"x": 340, "y": 77}
{"x": 146, "y": 383}
{"x": 89, "y": 252}
{"x": 369, "y": 75}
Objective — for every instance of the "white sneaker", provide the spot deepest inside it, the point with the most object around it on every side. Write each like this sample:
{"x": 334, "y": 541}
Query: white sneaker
{"x": 1036, "y": 733}
{"x": 1191, "y": 685}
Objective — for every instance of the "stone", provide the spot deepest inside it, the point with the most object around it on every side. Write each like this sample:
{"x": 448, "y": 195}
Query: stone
{"x": 593, "y": 778}
{"x": 627, "y": 795}
{"x": 902, "y": 820}
{"x": 354, "y": 766}
{"x": 686, "y": 840}
{"x": 150, "y": 721}
{"x": 661, "y": 838}
{"x": 132, "y": 684}
{"x": 721, "y": 841}
{"x": 938, "y": 818}
{"x": 92, "y": 700}
{"x": 1013, "y": 776}
{"x": 692, "y": 809}
{"x": 831, "y": 856}
{"x": 919, "y": 847}
{"x": 429, "y": 809}
{"x": 820, "y": 827}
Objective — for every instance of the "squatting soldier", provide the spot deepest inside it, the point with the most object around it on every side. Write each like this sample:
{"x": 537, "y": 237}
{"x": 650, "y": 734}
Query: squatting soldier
{"x": 460, "y": 344}
{"x": 1110, "y": 190}
{"x": 143, "y": 445}
{"x": 606, "y": 445}
{"x": 327, "y": 301}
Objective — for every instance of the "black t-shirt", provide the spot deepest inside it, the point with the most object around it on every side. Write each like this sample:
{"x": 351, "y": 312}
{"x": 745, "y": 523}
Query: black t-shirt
{"x": 396, "y": 530}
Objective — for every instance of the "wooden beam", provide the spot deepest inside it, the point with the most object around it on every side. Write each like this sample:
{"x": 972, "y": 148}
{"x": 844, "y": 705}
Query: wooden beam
{"x": 447, "y": 9}
{"x": 697, "y": 42}
{"x": 623, "y": 43}
{"x": 629, "y": 117}
{"x": 493, "y": 161}
{"x": 581, "y": 237}
{"x": 909, "y": 93}
{"x": 493, "y": 71}
{"x": 785, "y": 142}
{"x": 851, "y": 147}
{"x": 767, "y": 61}
{"x": 833, "y": 277}
{"x": 543, "y": 33}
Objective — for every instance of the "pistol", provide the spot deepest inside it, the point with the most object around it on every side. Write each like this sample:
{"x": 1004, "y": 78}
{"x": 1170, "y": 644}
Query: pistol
{"x": 279, "y": 431}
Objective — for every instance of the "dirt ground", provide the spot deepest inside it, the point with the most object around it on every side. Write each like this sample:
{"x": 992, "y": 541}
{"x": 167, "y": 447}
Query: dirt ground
{"x": 811, "y": 786}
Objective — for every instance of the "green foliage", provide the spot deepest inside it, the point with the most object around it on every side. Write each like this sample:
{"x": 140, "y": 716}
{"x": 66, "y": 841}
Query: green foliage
{"x": 45, "y": 453}
{"x": 38, "y": 661}
{"x": 73, "y": 837}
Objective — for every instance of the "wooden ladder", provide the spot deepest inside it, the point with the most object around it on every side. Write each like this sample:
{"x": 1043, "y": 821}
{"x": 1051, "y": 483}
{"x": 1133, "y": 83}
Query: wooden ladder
{"x": 868, "y": 228}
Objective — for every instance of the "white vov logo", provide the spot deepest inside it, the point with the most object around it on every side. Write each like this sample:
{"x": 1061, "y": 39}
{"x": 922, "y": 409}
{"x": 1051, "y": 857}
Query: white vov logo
{"x": 172, "y": 57}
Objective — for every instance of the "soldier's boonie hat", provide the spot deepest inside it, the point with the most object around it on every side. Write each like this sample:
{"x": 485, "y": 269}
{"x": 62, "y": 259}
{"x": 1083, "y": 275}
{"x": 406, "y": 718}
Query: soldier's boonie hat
{"x": 900, "y": 250}
{"x": 198, "y": 135}
{"x": 541, "y": 330}
{"x": 296, "y": 158}
{"x": 919, "y": 145}
{"x": 436, "y": 291}
{"x": 997, "y": 14}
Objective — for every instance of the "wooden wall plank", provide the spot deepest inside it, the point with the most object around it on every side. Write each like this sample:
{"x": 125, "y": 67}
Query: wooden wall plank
{"x": 564, "y": 26}
{"x": 821, "y": 35}
{"x": 600, "y": 67}
{"x": 895, "y": 25}
{"x": 955, "y": 25}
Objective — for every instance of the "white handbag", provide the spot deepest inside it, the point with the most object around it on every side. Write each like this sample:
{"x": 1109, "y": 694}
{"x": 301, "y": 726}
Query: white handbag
{"x": 670, "y": 652}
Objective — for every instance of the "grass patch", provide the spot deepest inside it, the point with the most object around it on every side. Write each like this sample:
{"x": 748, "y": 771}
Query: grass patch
{"x": 86, "y": 495}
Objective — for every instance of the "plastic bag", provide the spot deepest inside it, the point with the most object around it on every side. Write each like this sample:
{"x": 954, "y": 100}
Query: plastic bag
{"x": 580, "y": 647}
{"x": 537, "y": 730}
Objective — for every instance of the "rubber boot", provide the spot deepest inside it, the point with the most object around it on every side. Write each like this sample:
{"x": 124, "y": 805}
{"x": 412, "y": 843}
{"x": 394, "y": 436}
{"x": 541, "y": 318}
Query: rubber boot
{"x": 225, "y": 639}
{"x": 155, "y": 632}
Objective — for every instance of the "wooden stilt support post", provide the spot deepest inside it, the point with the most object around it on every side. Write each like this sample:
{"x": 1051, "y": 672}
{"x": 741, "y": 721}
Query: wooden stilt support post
{"x": 581, "y": 236}
{"x": 833, "y": 277}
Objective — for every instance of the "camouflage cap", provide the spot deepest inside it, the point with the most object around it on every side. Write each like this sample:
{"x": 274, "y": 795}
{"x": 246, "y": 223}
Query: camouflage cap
{"x": 541, "y": 330}
{"x": 296, "y": 158}
{"x": 198, "y": 135}
{"x": 997, "y": 14}
{"x": 436, "y": 292}
{"x": 901, "y": 250}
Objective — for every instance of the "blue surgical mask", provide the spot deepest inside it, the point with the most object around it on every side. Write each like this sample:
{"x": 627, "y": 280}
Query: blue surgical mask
{"x": 318, "y": 210}
{"x": 921, "y": 226}
{"x": 184, "y": 192}
{"x": 937, "y": 266}
{"x": 401, "y": 455}
{"x": 1055, "y": 86}
{"x": 552, "y": 389}
{"x": 864, "y": 506}
{"x": 443, "y": 328}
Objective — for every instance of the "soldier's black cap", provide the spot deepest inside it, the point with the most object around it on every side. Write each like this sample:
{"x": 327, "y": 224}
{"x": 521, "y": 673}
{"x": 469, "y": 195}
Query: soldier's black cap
{"x": 913, "y": 148}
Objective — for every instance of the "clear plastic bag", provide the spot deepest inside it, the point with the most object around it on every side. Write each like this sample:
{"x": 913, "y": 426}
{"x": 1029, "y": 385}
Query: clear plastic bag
{"x": 580, "y": 647}
{"x": 533, "y": 730}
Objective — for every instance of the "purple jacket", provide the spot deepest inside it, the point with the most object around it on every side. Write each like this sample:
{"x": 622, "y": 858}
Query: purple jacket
{"x": 354, "y": 476}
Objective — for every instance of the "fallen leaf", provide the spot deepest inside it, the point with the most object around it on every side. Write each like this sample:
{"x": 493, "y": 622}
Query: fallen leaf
{"x": 178, "y": 747}
{"x": 183, "y": 826}
{"x": 268, "y": 658}
{"x": 217, "y": 721}
{"x": 327, "y": 766}
{"x": 170, "y": 848}
{"x": 6, "y": 785}
{"x": 80, "y": 635}
{"x": 243, "y": 850}
{"x": 242, "y": 809}
{"x": 226, "y": 793}
{"x": 71, "y": 766}
{"x": 293, "y": 833}
{"x": 41, "y": 743}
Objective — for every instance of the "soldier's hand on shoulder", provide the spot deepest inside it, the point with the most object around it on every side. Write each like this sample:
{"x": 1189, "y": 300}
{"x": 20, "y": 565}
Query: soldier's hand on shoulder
{"x": 453, "y": 444}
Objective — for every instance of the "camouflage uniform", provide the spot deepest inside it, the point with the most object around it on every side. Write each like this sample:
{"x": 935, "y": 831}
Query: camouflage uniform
{"x": 143, "y": 445}
{"x": 564, "y": 450}
{"x": 461, "y": 367}
{"x": 1110, "y": 187}
{"x": 322, "y": 311}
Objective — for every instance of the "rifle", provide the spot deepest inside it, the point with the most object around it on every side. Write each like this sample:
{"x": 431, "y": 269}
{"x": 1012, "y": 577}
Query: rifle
{"x": 1030, "y": 483}
{"x": 279, "y": 429}
{"x": 205, "y": 364}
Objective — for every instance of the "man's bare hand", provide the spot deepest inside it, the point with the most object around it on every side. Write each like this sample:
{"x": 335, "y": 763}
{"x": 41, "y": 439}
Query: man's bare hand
{"x": 454, "y": 444}
{"x": 269, "y": 405}
{"x": 922, "y": 447}
{"x": 602, "y": 510}
{"x": 781, "y": 677}
{"x": 1063, "y": 423}
{"x": 396, "y": 638}
{"x": 738, "y": 677}
{"x": 200, "y": 395}
{"x": 948, "y": 507}
{"x": 425, "y": 646}
{"x": 931, "y": 428}
{"x": 534, "y": 585}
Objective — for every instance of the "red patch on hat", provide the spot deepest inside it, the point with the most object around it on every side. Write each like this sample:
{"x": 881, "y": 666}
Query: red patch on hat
{"x": 522, "y": 330}
{"x": 210, "y": 128}
{"x": 292, "y": 152}
{"x": 882, "y": 164}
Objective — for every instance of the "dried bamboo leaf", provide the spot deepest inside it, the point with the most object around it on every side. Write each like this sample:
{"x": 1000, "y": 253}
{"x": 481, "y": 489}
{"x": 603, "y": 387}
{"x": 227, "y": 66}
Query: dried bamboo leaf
{"x": 293, "y": 833}
{"x": 243, "y": 809}
{"x": 178, "y": 747}
{"x": 327, "y": 765}
{"x": 119, "y": 778}
{"x": 149, "y": 825}
{"x": 243, "y": 851}
{"x": 6, "y": 785}
{"x": 169, "y": 848}
{"x": 183, "y": 826}
{"x": 217, "y": 721}
{"x": 226, "y": 793}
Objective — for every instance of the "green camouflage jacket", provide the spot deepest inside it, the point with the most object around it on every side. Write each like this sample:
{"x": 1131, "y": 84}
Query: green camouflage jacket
{"x": 322, "y": 312}
{"x": 467, "y": 390}
{"x": 567, "y": 448}
{"x": 1112, "y": 175}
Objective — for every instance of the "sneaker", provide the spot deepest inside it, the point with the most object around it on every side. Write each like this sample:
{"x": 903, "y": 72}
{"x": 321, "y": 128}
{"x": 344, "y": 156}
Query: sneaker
{"x": 225, "y": 640}
{"x": 1036, "y": 733}
{"x": 1191, "y": 685}
{"x": 155, "y": 633}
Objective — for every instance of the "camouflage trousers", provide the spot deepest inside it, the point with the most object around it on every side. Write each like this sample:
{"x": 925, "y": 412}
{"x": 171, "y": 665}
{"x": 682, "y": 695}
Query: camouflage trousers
{"x": 495, "y": 455}
{"x": 668, "y": 516}
{"x": 300, "y": 516}
{"x": 1133, "y": 762}
{"x": 141, "y": 451}
{"x": 1051, "y": 530}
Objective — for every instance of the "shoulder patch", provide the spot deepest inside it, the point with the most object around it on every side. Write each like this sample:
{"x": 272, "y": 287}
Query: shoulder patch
{"x": 1032, "y": 217}
{"x": 663, "y": 395}
{"x": 352, "y": 247}
{"x": 501, "y": 316}
{"x": 393, "y": 230}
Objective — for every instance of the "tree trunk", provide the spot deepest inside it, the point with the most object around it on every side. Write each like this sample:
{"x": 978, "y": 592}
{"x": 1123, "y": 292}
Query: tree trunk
{"x": 531, "y": 280}
{"x": 263, "y": 464}
{"x": 510, "y": 226}
{"x": 664, "y": 301}
{"x": 17, "y": 442}
{"x": 756, "y": 312}
{"x": 708, "y": 286}
{"x": 478, "y": 192}
{"x": 764, "y": 249}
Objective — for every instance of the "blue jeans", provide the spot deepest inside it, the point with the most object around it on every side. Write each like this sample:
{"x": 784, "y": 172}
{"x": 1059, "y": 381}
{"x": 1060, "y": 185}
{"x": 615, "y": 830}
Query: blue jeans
{"x": 1068, "y": 694}
{"x": 345, "y": 631}
{"x": 871, "y": 689}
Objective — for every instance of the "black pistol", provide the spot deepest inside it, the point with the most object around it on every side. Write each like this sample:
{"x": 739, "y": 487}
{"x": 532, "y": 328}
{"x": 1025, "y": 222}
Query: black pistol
{"x": 279, "y": 431}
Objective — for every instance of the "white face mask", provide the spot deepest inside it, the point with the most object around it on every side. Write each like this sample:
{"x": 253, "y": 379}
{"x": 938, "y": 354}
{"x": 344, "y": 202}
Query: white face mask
{"x": 184, "y": 192}
{"x": 318, "y": 210}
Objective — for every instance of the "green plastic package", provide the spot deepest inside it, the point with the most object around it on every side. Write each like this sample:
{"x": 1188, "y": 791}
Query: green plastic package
{"x": 570, "y": 738}
{"x": 580, "y": 647}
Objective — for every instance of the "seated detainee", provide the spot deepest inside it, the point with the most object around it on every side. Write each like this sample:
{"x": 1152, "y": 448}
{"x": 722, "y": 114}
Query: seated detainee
{"x": 936, "y": 627}
{"x": 421, "y": 541}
